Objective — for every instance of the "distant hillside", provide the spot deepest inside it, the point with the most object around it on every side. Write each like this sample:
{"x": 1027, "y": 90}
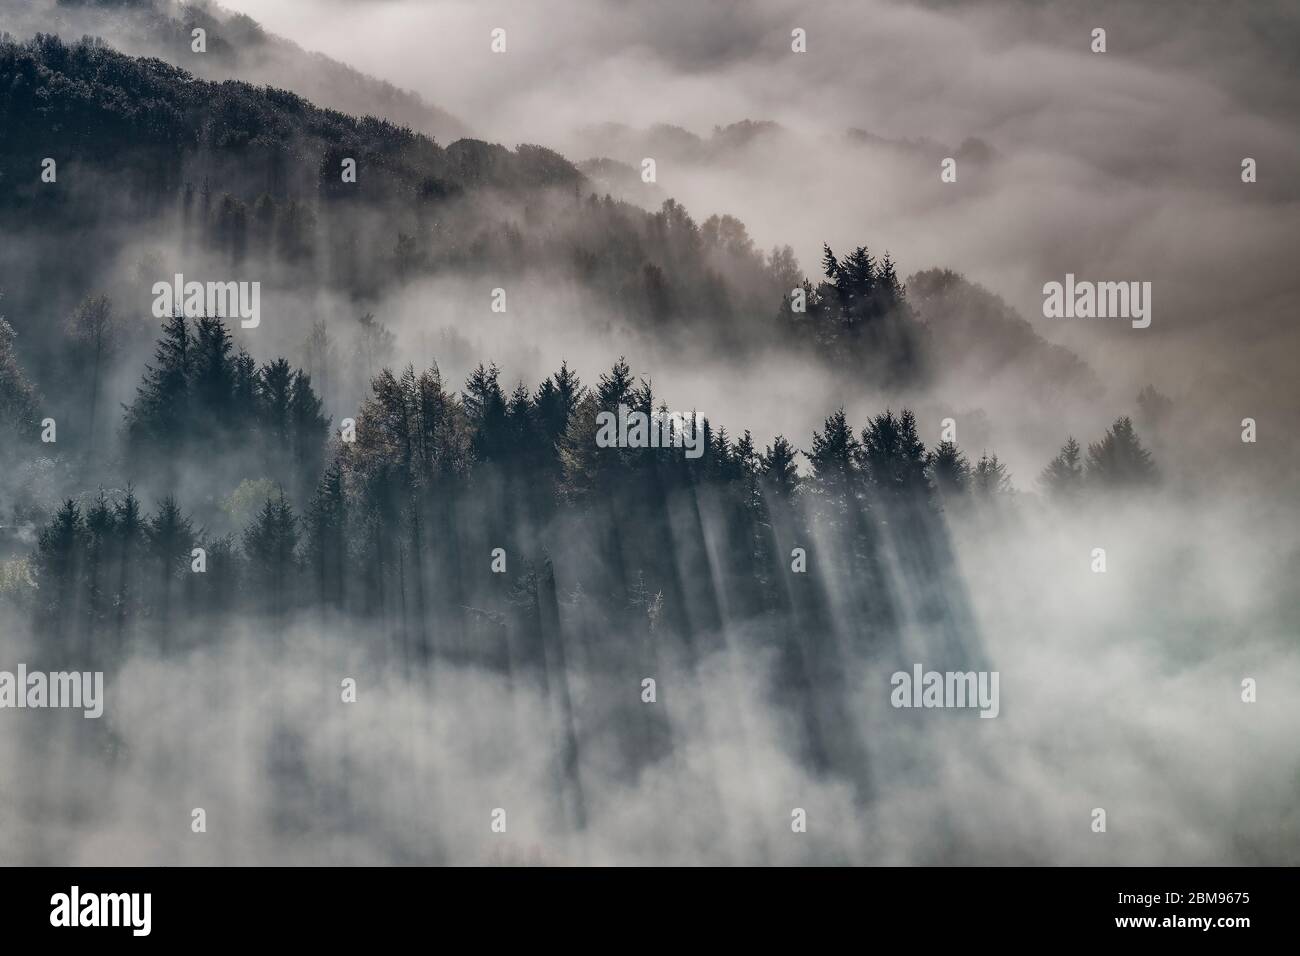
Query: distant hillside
{"x": 88, "y": 104}
{"x": 237, "y": 48}
{"x": 244, "y": 170}
{"x": 975, "y": 333}
{"x": 149, "y": 154}
{"x": 667, "y": 142}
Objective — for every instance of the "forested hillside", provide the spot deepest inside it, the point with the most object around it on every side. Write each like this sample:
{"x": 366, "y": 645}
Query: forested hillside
{"x": 235, "y": 46}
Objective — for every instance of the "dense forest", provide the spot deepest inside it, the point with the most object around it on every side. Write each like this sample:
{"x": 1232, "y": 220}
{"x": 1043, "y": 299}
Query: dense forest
{"x": 488, "y": 526}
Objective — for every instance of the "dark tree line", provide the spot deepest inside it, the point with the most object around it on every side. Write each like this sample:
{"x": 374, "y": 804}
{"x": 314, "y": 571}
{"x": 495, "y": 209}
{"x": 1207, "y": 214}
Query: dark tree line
{"x": 201, "y": 396}
{"x": 431, "y": 476}
{"x": 489, "y": 526}
{"x": 858, "y": 312}
{"x": 1117, "y": 461}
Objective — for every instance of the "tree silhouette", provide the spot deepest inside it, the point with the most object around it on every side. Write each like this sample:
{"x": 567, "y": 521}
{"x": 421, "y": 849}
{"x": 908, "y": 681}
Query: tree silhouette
{"x": 1063, "y": 476}
{"x": 1119, "y": 460}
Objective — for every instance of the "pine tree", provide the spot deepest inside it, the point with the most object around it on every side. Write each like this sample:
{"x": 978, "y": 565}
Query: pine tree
{"x": 485, "y": 406}
{"x": 615, "y": 387}
{"x": 1063, "y": 476}
{"x": 990, "y": 479}
{"x": 833, "y": 460}
{"x": 129, "y": 526}
{"x": 780, "y": 474}
{"x": 100, "y": 529}
{"x": 160, "y": 412}
{"x": 274, "y": 398}
{"x": 270, "y": 545}
{"x": 307, "y": 430}
{"x": 554, "y": 404}
{"x": 326, "y": 541}
{"x": 748, "y": 467}
{"x": 1119, "y": 460}
{"x": 168, "y": 539}
{"x": 950, "y": 472}
{"x": 891, "y": 287}
{"x": 213, "y": 380}
{"x": 893, "y": 456}
{"x": 59, "y": 567}
{"x": 244, "y": 410}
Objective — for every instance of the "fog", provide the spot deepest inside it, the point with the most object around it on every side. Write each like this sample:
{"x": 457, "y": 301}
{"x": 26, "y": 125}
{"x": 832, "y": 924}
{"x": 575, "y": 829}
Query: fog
{"x": 1119, "y": 691}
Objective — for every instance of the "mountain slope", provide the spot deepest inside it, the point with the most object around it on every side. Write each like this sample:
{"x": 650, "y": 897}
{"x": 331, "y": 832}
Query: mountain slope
{"x": 237, "y": 47}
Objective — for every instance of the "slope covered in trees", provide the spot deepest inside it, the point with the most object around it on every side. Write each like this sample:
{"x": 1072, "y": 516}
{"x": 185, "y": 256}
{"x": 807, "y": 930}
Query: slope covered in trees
{"x": 255, "y": 174}
{"x": 235, "y": 46}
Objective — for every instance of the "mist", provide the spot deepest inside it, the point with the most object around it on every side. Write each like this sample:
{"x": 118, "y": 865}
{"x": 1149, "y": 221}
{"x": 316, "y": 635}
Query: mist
{"x": 1121, "y": 688}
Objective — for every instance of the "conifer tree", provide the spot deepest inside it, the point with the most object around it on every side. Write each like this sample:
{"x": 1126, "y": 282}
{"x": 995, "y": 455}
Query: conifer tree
{"x": 780, "y": 473}
{"x": 1063, "y": 476}
{"x": 893, "y": 456}
{"x": 270, "y": 546}
{"x": 833, "y": 460}
{"x": 990, "y": 479}
{"x": 168, "y": 539}
{"x": 160, "y": 413}
{"x": 1119, "y": 460}
{"x": 58, "y": 567}
{"x": 950, "y": 472}
{"x": 326, "y": 538}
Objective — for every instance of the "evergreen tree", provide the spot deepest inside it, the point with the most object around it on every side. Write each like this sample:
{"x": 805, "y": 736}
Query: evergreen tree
{"x": 833, "y": 460}
{"x": 326, "y": 541}
{"x": 990, "y": 479}
{"x": 213, "y": 380}
{"x": 100, "y": 530}
{"x": 485, "y": 406}
{"x": 129, "y": 527}
{"x": 244, "y": 406}
{"x": 1119, "y": 460}
{"x": 1063, "y": 476}
{"x": 168, "y": 540}
{"x": 950, "y": 472}
{"x": 615, "y": 387}
{"x": 59, "y": 567}
{"x": 780, "y": 474}
{"x": 158, "y": 417}
{"x": 307, "y": 431}
{"x": 270, "y": 546}
{"x": 274, "y": 415}
{"x": 893, "y": 456}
